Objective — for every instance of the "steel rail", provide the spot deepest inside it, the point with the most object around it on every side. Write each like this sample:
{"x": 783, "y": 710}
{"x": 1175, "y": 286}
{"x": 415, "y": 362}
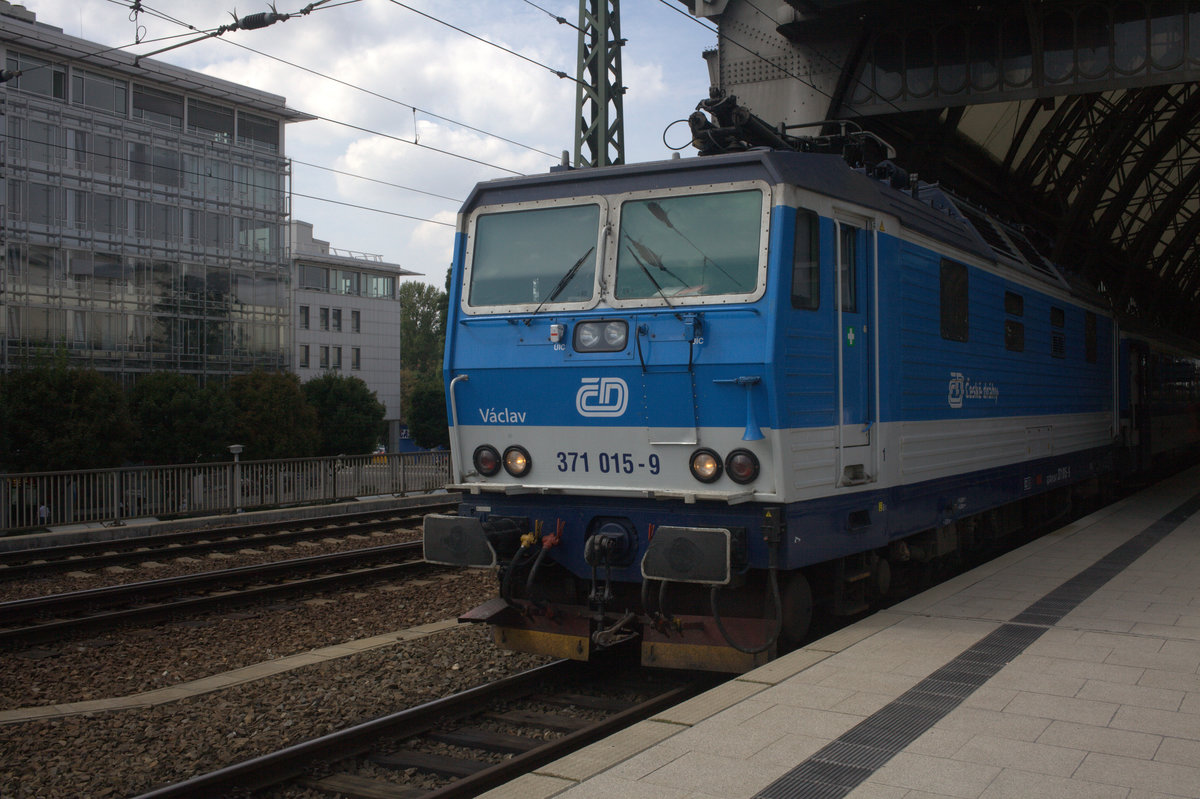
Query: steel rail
{"x": 176, "y": 545}
{"x": 15, "y": 557}
{"x": 295, "y": 761}
{"x": 148, "y": 594}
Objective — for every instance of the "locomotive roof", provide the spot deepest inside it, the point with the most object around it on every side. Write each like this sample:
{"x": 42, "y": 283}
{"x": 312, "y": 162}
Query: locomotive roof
{"x": 933, "y": 213}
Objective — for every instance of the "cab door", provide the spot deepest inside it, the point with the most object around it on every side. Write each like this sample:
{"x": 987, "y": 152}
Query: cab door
{"x": 855, "y": 337}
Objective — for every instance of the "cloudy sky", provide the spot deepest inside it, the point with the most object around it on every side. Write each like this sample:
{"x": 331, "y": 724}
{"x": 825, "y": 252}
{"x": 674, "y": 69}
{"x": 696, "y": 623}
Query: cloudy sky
{"x": 393, "y": 51}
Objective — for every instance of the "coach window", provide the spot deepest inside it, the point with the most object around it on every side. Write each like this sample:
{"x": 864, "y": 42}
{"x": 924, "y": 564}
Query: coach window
{"x": 806, "y": 262}
{"x": 1014, "y": 331}
{"x": 1089, "y": 336}
{"x": 1058, "y": 338}
{"x": 955, "y": 312}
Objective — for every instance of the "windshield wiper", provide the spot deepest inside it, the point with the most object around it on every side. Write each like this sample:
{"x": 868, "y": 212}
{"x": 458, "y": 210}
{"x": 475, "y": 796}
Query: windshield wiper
{"x": 656, "y": 260}
{"x": 562, "y": 283}
{"x": 649, "y": 276}
{"x": 661, "y": 215}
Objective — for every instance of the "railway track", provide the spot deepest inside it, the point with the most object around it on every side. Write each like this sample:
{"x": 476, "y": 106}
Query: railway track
{"x": 50, "y": 618}
{"x": 93, "y": 555}
{"x": 464, "y": 744}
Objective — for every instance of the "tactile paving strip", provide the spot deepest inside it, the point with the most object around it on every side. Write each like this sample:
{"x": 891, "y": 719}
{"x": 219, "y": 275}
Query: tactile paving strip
{"x": 844, "y": 764}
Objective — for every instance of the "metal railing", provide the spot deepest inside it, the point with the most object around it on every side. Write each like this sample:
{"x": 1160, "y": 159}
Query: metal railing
{"x": 110, "y": 496}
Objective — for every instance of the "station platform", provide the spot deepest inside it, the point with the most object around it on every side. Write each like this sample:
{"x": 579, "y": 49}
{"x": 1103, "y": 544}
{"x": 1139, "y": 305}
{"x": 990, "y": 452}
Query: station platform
{"x": 1067, "y": 668}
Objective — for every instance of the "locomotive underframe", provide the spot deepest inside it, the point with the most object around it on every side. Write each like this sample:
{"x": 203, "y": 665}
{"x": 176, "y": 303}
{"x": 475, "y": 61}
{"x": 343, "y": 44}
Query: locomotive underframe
{"x": 839, "y": 553}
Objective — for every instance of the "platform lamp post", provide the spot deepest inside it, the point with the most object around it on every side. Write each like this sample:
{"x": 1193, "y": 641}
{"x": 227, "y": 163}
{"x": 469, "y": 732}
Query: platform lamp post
{"x": 236, "y": 494}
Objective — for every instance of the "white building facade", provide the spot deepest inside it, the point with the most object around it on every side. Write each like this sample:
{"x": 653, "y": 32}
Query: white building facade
{"x": 347, "y": 318}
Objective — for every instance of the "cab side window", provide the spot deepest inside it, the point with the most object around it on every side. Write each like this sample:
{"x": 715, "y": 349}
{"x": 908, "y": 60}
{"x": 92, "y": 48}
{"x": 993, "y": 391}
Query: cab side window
{"x": 806, "y": 262}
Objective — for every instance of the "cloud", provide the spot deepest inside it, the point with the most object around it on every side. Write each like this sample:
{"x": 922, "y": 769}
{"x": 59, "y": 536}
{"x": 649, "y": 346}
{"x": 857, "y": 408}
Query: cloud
{"x": 385, "y": 49}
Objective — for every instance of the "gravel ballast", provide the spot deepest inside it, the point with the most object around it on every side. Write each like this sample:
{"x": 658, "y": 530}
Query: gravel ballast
{"x": 127, "y": 752}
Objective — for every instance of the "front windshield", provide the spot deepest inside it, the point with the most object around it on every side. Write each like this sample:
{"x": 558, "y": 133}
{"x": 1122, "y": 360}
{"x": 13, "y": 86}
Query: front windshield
{"x": 536, "y": 256}
{"x": 696, "y": 245}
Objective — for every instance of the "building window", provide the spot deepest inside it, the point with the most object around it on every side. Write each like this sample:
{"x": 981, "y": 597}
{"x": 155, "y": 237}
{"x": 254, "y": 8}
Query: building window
{"x": 16, "y": 206}
{"x": 314, "y": 277}
{"x": 955, "y": 313}
{"x": 139, "y": 161}
{"x": 806, "y": 262}
{"x": 99, "y": 91}
{"x": 213, "y": 122}
{"x": 355, "y": 358}
{"x": 303, "y": 317}
{"x": 337, "y": 358}
{"x": 324, "y": 357}
{"x": 355, "y": 322}
{"x": 256, "y": 131}
{"x": 337, "y": 319}
{"x": 303, "y": 356}
{"x": 40, "y": 77}
{"x": 43, "y": 144}
{"x": 379, "y": 286}
{"x": 346, "y": 282}
{"x": 324, "y": 318}
{"x": 46, "y": 204}
{"x": 106, "y": 151}
{"x": 165, "y": 167}
{"x": 156, "y": 107}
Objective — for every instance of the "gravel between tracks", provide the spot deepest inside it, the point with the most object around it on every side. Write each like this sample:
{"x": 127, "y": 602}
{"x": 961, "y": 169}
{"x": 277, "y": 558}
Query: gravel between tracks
{"x": 129, "y": 661}
{"x": 125, "y": 753}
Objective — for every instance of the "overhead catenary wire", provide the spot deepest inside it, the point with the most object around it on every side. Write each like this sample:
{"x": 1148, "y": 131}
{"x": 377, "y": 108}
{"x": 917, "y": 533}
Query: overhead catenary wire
{"x": 416, "y": 144}
{"x": 417, "y": 109}
{"x": 311, "y": 71}
{"x": 553, "y": 16}
{"x": 432, "y": 18}
{"x": 375, "y": 180}
{"x": 249, "y": 22}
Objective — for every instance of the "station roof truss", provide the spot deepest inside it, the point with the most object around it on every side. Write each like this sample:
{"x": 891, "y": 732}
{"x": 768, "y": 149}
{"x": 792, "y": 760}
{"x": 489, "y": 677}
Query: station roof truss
{"x": 1078, "y": 121}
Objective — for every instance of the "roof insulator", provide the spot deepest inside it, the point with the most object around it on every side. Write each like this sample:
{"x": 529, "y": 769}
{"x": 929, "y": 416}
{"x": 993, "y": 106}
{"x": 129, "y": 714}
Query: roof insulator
{"x": 260, "y": 20}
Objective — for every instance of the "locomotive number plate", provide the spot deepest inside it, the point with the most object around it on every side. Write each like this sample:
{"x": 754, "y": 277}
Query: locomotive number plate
{"x": 607, "y": 462}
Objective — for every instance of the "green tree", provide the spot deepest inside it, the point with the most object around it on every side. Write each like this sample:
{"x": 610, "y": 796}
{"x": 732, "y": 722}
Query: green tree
{"x": 57, "y": 418}
{"x": 349, "y": 415}
{"x": 273, "y": 419}
{"x": 423, "y": 310}
{"x": 422, "y": 327}
{"x": 427, "y": 422}
{"x": 179, "y": 422}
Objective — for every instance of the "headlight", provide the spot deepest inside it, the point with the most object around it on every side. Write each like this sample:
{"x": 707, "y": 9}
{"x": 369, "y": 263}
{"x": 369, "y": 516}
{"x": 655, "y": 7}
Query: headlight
{"x": 616, "y": 334}
{"x": 610, "y": 335}
{"x": 742, "y": 465}
{"x": 486, "y": 460}
{"x": 706, "y": 465}
{"x": 517, "y": 462}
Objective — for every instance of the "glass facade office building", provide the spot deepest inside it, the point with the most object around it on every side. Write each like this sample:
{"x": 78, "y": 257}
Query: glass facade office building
{"x": 144, "y": 210}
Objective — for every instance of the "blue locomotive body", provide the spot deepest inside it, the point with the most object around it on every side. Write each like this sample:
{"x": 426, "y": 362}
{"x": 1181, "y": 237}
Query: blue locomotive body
{"x": 690, "y": 398}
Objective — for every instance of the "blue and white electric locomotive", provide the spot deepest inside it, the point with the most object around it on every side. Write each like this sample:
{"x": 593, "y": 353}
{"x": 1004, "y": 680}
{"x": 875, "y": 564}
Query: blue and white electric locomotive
{"x": 688, "y": 399}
